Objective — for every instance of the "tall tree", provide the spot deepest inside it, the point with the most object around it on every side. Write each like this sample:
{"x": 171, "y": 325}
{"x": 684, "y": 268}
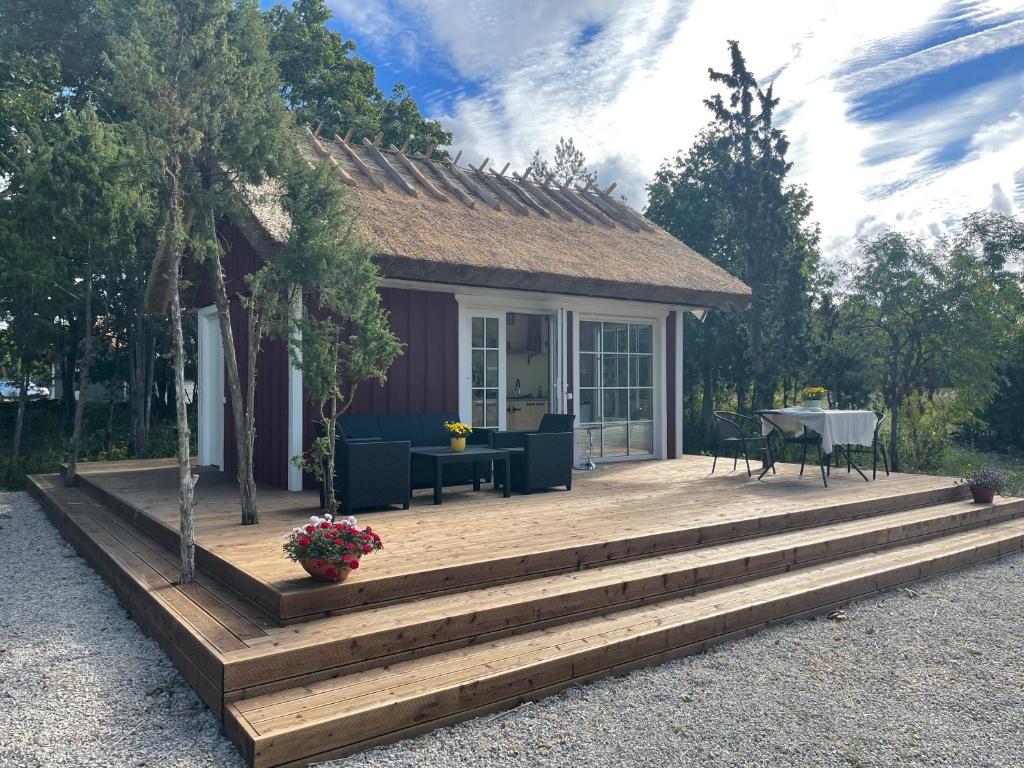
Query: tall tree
{"x": 198, "y": 77}
{"x": 569, "y": 165}
{"x": 324, "y": 80}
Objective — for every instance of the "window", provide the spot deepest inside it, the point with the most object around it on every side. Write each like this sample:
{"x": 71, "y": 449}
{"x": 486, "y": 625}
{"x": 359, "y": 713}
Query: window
{"x": 616, "y": 375}
{"x": 485, "y": 351}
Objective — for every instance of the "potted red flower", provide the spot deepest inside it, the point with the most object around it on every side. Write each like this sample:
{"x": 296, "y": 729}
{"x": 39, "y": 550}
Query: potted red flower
{"x": 330, "y": 550}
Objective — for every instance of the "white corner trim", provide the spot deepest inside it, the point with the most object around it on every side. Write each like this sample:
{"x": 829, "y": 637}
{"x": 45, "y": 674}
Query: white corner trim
{"x": 679, "y": 384}
{"x": 210, "y": 372}
{"x": 295, "y": 402}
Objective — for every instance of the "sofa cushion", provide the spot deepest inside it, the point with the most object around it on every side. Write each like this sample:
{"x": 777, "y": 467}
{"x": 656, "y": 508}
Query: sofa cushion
{"x": 434, "y": 432}
{"x": 359, "y": 427}
{"x": 401, "y": 426}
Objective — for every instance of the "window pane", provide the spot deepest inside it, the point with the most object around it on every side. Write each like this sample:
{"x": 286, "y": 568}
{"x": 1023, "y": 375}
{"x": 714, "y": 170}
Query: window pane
{"x": 491, "y": 415}
{"x": 589, "y": 332}
{"x": 614, "y": 440}
{"x": 478, "y": 332}
{"x": 609, "y": 369}
{"x": 641, "y": 404}
{"x": 492, "y": 333}
{"x": 633, "y": 330}
{"x": 590, "y": 406}
{"x": 622, "y": 371}
{"x": 615, "y": 405}
{"x": 644, "y": 341}
{"x": 641, "y": 437}
{"x": 588, "y": 364}
{"x": 614, "y": 337}
{"x": 491, "y": 379}
{"x": 642, "y": 371}
{"x": 478, "y": 408}
{"x": 478, "y": 368}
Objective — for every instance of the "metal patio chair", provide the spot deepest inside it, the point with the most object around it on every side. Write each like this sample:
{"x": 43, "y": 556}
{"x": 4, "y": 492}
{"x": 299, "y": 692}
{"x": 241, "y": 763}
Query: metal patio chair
{"x": 876, "y": 446}
{"x": 804, "y": 440}
{"x": 739, "y": 431}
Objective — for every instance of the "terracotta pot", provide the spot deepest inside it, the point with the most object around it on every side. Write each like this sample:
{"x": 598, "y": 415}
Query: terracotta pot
{"x": 458, "y": 444}
{"x": 326, "y": 570}
{"x": 983, "y": 495}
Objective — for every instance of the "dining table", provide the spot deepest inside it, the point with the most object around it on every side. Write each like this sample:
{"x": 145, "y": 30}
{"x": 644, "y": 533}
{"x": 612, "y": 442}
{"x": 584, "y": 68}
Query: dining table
{"x": 836, "y": 429}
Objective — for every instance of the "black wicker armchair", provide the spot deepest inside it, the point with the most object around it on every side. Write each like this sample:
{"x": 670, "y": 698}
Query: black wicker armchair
{"x": 541, "y": 459}
{"x": 370, "y": 473}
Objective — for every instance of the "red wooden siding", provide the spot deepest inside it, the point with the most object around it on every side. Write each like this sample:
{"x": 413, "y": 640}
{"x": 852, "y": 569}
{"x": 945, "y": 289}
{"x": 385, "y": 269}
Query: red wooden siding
{"x": 425, "y": 378}
{"x": 671, "y": 405}
{"x": 270, "y": 460}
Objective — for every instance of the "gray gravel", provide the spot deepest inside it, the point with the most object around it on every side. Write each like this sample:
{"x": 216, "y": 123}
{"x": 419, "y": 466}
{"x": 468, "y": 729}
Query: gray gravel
{"x": 932, "y": 676}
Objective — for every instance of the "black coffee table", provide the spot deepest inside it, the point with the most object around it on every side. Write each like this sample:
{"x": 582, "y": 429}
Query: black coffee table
{"x": 474, "y": 454}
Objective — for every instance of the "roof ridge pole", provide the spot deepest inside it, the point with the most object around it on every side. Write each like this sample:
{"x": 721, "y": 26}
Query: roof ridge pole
{"x": 358, "y": 161}
{"x": 565, "y": 200}
{"x": 542, "y": 195}
{"x": 410, "y": 166}
{"x": 389, "y": 169}
{"x": 610, "y": 211}
{"x": 448, "y": 184}
{"x": 471, "y": 185}
{"x": 324, "y": 152}
{"x": 530, "y": 202}
{"x": 514, "y": 204}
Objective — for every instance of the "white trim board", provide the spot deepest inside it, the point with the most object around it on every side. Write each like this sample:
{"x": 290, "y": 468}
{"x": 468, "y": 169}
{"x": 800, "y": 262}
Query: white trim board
{"x": 210, "y": 410}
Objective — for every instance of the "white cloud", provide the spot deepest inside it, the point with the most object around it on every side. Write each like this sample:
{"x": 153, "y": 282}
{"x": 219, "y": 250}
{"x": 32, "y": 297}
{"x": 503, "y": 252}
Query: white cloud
{"x": 632, "y": 96}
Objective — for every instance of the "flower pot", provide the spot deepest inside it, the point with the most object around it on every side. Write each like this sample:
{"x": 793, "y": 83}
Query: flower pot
{"x": 814, "y": 403}
{"x": 326, "y": 570}
{"x": 458, "y": 444}
{"x": 983, "y": 495}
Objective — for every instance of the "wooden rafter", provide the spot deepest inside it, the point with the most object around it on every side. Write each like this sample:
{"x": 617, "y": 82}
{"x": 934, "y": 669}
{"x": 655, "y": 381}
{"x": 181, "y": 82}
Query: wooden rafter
{"x": 389, "y": 169}
{"x": 606, "y": 195}
{"x": 610, "y": 210}
{"x": 324, "y": 152}
{"x": 566, "y": 200}
{"x": 549, "y": 202}
{"x": 580, "y": 201}
{"x": 417, "y": 174}
{"x": 498, "y": 190}
{"x": 447, "y": 183}
{"x": 521, "y": 192}
{"x": 471, "y": 185}
{"x": 357, "y": 161}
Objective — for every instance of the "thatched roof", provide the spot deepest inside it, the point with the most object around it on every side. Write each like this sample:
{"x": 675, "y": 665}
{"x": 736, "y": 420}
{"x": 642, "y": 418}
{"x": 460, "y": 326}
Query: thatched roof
{"x": 434, "y": 220}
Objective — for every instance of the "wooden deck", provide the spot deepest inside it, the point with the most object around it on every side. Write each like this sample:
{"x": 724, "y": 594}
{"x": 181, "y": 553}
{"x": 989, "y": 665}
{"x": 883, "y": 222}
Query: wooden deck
{"x": 484, "y": 602}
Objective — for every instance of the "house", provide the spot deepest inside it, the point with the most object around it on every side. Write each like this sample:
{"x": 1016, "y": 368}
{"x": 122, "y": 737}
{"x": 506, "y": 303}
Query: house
{"x": 513, "y": 295}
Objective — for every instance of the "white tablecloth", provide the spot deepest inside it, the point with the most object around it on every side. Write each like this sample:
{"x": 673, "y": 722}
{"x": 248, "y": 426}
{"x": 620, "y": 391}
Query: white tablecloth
{"x": 835, "y": 427}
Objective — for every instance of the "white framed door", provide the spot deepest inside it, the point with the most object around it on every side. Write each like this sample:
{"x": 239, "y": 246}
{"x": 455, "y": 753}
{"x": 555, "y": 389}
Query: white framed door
{"x": 211, "y": 389}
{"x": 482, "y": 360}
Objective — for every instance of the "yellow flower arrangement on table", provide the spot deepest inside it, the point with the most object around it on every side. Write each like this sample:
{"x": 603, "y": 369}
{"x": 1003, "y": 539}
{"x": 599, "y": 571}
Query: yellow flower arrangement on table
{"x": 815, "y": 397}
{"x": 459, "y": 432}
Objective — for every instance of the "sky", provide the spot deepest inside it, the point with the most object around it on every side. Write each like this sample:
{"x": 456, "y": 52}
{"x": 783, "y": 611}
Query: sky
{"x": 902, "y": 114}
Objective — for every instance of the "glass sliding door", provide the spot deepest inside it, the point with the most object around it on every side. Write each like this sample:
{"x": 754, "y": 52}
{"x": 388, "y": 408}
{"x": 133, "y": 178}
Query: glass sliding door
{"x": 616, "y": 364}
{"x": 486, "y": 352}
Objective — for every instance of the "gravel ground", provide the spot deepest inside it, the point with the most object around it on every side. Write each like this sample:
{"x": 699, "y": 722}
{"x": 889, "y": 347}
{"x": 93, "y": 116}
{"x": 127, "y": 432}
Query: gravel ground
{"x": 932, "y": 676}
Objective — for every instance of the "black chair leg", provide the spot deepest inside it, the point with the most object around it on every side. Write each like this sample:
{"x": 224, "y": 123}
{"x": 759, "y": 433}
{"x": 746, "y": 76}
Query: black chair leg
{"x": 821, "y": 463}
{"x": 746, "y": 458}
{"x": 735, "y": 457}
{"x": 885, "y": 460}
{"x": 715, "y": 462}
{"x": 874, "y": 459}
{"x": 803, "y": 459}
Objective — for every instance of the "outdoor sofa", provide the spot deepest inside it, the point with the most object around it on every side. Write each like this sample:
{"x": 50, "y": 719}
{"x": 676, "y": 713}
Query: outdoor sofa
{"x": 373, "y": 467}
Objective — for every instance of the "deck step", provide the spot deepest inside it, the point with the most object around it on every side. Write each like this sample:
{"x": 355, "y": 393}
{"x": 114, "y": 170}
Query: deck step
{"x": 400, "y": 631}
{"x": 332, "y": 717}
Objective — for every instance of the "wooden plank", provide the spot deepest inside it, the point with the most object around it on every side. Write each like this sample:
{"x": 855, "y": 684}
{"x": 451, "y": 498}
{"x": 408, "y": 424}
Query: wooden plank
{"x": 324, "y": 152}
{"x": 447, "y": 183}
{"x": 357, "y": 161}
{"x": 410, "y": 166}
{"x": 502, "y": 194}
{"x": 388, "y": 168}
{"x": 471, "y": 185}
{"x": 541, "y": 194}
{"x": 532, "y": 204}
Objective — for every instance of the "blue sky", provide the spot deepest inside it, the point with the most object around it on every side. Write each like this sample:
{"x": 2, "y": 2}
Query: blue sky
{"x": 902, "y": 113}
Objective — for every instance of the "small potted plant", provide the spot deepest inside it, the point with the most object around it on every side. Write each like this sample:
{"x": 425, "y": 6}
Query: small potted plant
{"x": 985, "y": 483}
{"x": 330, "y": 550}
{"x": 459, "y": 432}
{"x": 815, "y": 397}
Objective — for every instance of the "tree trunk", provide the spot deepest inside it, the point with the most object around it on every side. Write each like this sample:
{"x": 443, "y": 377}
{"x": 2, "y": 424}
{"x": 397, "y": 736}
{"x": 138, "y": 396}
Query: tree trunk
{"x": 707, "y": 406}
{"x": 83, "y": 384}
{"x": 186, "y": 480}
{"x": 67, "y": 382}
{"x": 140, "y": 387}
{"x": 243, "y": 437}
{"x": 19, "y": 419}
{"x": 330, "y": 428}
